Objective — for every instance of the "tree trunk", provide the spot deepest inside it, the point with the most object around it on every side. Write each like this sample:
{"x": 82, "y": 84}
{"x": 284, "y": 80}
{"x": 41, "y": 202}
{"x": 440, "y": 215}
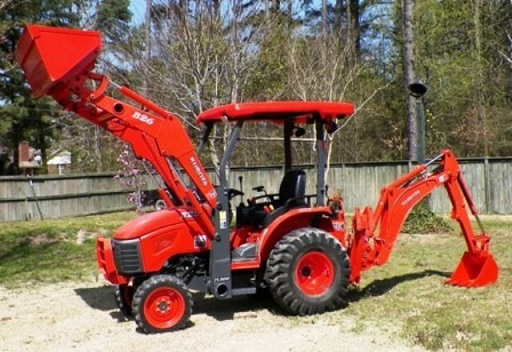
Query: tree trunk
{"x": 409, "y": 77}
{"x": 97, "y": 149}
{"x": 290, "y": 13}
{"x": 324, "y": 19}
{"x": 147, "y": 44}
{"x": 276, "y": 6}
{"x": 216, "y": 8}
{"x": 354, "y": 32}
{"x": 481, "y": 133}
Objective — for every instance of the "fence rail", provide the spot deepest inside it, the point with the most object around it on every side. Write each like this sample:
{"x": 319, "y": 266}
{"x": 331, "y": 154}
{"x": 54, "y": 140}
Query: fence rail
{"x": 21, "y": 198}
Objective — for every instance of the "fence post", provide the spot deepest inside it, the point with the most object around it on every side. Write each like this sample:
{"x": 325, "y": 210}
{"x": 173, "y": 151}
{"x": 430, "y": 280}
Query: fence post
{"x": 487, "y": 186}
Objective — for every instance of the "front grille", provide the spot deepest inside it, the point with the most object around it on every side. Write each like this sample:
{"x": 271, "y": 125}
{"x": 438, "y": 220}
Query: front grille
{"x": 127, "y": 256}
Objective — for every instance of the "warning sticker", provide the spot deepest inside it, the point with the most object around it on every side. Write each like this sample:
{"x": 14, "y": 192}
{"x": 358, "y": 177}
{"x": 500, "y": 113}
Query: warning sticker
{"x": 223, "y": 219}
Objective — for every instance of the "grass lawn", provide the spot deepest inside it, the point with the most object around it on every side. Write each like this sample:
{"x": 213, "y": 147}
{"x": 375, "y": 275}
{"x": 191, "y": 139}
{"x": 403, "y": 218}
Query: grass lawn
{"x": 409, "y": 292}
{"x": 48, "y": 251}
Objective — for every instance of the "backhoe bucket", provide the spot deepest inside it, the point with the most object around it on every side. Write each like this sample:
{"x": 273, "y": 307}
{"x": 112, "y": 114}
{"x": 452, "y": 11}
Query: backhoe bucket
{"x": 475, "y": 270}
{"x": 51, "y": 56}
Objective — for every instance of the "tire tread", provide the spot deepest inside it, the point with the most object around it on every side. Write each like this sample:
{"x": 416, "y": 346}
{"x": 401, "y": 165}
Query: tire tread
{"x": 280, "y": 283}
{"x": 146, "y": 287}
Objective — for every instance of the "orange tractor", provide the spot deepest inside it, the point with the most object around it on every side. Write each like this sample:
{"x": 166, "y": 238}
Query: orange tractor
{"x": 293, "y": 244}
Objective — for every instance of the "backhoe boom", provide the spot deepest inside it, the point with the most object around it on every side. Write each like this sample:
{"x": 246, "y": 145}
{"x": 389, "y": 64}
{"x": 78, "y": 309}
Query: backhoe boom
{"x": 375, "y": 232}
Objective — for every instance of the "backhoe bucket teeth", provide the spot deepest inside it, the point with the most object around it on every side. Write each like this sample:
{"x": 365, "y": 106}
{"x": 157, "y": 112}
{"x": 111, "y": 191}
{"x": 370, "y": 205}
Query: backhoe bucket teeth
{"x": 51, "y": 56}
{"x": 475, "y": 270}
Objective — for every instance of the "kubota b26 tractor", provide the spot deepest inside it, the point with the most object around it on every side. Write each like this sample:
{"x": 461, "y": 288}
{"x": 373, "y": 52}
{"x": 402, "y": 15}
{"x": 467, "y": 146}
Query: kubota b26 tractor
{"x": 293, "y": 244}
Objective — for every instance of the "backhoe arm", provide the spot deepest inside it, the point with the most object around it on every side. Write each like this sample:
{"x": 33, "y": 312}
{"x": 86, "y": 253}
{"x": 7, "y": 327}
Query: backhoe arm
{"x": 375, "y": 232}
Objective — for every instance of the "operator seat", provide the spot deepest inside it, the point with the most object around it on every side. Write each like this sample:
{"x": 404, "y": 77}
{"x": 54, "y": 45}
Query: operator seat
{"x": 292, "y": 192}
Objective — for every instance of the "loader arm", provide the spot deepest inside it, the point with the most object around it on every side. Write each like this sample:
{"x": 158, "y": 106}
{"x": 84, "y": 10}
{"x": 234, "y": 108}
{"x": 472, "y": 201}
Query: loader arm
{"x": 375, "y": 232}
{"x": 154, "y": 134}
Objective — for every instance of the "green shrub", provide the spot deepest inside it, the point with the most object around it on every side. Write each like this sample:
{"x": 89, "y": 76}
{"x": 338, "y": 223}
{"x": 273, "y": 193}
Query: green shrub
{"x": 422, "y": 220}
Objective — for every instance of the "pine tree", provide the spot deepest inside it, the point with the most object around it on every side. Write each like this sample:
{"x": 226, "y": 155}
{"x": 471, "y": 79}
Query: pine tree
{"x": 23, "y": 118}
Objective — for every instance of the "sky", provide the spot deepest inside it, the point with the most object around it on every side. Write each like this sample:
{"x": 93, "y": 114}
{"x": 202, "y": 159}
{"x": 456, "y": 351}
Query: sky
{"x": 137, "y": 9}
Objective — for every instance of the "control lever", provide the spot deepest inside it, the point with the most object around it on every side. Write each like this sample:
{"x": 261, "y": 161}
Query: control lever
{"x": 240, "y": 180}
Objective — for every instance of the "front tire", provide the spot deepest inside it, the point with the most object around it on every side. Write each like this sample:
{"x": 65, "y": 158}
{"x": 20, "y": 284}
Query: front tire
{"x": 162, "y": 303}
{"x": 124, "y": 298}
{"x": 308, "y": 272}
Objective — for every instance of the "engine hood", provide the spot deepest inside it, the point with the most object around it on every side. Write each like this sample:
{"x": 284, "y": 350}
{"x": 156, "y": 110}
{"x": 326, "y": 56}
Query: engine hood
{"x": 151, "y": 222}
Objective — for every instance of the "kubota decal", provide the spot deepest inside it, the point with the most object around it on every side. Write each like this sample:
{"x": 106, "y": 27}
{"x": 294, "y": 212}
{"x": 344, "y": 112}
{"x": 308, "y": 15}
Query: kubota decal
{"x": 198, "y": 170}
{"x": 411, "y": 197}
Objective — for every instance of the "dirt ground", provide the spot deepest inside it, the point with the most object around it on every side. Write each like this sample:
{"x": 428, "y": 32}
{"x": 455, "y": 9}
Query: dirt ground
{"x": 83, "y": 317}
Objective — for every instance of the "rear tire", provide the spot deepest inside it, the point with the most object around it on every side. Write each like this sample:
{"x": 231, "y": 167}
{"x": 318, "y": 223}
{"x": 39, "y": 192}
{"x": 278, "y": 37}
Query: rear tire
{"x": 308, "y": 272}
{"x": 162, "y": 303}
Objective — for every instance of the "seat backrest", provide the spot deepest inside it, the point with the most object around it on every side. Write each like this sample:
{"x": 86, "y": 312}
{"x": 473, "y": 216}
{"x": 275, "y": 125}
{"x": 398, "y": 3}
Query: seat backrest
{"x": 293, "y": 185}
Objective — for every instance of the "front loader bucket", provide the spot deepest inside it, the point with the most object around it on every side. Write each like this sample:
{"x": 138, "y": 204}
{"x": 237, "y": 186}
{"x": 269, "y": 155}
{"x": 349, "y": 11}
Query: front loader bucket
{"x": 51, "y": 56}
{"x": 475, "y": 270}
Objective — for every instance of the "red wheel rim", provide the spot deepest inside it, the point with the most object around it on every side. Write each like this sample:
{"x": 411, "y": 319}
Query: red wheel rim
{"x": 164, "y": 307}
{"x": 314, "y": 273}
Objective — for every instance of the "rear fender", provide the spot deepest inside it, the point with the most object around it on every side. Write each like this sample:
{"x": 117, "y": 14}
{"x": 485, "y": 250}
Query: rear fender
{"x": 294, "y": 219}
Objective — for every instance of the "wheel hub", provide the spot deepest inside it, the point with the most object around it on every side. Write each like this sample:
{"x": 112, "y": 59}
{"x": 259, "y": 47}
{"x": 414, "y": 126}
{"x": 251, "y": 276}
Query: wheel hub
{"x": 314, "y": 273}
{"x": 306, "y": 271}
{"x": 163, "y": 306}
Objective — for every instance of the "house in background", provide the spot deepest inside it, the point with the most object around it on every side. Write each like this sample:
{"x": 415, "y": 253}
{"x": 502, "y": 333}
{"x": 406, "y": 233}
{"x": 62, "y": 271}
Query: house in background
{"x": 57, "y": 164}
{"x": 29, "y": 158}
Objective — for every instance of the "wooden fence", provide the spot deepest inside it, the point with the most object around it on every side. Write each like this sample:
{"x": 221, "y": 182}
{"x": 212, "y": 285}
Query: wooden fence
{"x": 23, "y": 198}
